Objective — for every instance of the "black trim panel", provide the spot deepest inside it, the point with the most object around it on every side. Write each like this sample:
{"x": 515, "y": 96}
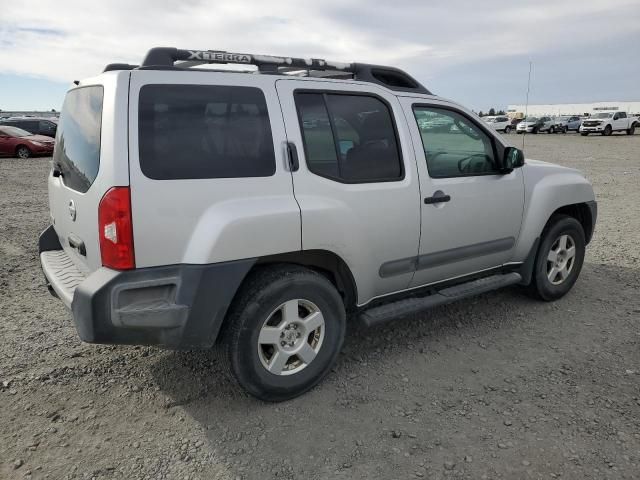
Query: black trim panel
{"x": 436, "y": 259}
{"x": 190, "y": 316}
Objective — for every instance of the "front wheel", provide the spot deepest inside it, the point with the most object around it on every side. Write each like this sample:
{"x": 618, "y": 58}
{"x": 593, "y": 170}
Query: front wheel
{"x": 559, "y": 258}
{"x": 284, "y": 332}
{"x": 584, "y": 134}
{"x": 607, "y": 131}
{"x": 551, "y": 130}
{"x": 507, "y": 130}
{"x": 23, "y": 152}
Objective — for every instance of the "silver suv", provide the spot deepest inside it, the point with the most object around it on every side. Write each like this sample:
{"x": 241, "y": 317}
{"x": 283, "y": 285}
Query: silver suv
{"x": 260, "y": 210}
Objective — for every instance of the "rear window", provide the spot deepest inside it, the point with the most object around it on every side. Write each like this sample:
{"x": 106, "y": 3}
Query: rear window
{"x": 204, "y": 131}
{"x": 77, "y": 150}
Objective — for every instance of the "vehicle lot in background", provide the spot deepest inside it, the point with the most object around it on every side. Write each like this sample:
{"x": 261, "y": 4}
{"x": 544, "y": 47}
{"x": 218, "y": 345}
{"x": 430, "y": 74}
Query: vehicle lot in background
{"x": 536, "y": 125}
{"x": 36, "y": 126}
{"x": 568, "y": 123}
{"x": 501, "y": 123}
{"x": 606, "y": 123}
{"x": 518, "y": 388}
{"x": 15, "y": 142}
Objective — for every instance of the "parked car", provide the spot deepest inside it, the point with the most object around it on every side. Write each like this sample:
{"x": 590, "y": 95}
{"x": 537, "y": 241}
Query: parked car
{"x": 536, "y": 125}
{"x": 499, "y": 123}
{"x": 36, "y": 126}
{"x": 293, "y": 226}
{"x": 22, "y": 144}
{"x": 605, "y": 123}
{"x": 568, "y": 123}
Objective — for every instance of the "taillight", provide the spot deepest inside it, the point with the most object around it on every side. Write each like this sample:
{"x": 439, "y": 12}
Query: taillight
{"x": 116, "y": 229}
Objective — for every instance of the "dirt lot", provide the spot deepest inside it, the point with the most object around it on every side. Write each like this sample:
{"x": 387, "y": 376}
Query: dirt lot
{"x": 500, "y": 386}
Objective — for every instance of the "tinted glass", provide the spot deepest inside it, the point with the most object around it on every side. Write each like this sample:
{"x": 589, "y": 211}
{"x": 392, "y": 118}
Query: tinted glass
{"x": 204, "y": 131}
{"x": 453, "y": 145}
{"x": 47, "y": 127}
{"x": 318, "y": 139}
{"x": 14, "y": 132}
{"x": 349, "y": 138}
{"x": 77, "y": 150}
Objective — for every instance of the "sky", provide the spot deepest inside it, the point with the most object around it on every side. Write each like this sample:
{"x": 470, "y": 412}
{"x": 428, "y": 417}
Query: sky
{"x": 474, "y": 52}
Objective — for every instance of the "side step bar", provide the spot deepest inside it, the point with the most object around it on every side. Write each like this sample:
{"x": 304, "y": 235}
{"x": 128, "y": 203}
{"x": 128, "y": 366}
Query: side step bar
{"x": 401, "y": 308}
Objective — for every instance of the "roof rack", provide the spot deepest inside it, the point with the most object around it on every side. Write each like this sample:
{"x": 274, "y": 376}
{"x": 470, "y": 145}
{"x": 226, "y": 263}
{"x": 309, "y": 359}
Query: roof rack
{"x": 172, "y": 58}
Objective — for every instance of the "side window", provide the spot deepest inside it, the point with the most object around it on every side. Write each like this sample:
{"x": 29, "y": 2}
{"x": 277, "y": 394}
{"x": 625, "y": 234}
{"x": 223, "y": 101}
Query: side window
{"x": 31, "y": 126}
{"x": 622, "y": 115}
{"x": 453, "y": 145}
{"x": 204, "y": 131}
{"x": 47, "y": 127}
{"x": 349, "y": 138}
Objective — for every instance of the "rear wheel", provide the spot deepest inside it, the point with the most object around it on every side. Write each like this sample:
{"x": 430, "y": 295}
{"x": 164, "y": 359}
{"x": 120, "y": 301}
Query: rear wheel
{"x": 534, "y": 130}
{"x": 23, "y": 152}
{"x": 632, "y": 130}
{"x": 551, "y": 130}
{"x": 284, "y": 332}
{"x": 559, "y": 259}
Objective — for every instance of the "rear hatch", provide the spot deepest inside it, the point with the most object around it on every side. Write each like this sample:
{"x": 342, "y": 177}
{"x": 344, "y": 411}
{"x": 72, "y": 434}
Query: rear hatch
{"x": 89, "y": 158}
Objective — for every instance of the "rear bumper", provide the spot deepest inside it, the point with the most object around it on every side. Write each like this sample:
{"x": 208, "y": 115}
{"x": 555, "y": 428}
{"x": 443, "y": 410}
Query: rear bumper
{"x": 176, "y": 306}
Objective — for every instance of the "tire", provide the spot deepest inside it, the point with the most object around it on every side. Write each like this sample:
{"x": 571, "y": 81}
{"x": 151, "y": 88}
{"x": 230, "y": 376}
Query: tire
{"x": 265, "y": 309}
{"x": 565, "y": 130}
{"x": 549, "y": 284}
{"x": 551, "y": 130}
{"x": 584, "y": 134}
{"x": 23, "y": 152}
{"x": 534, "y": 131}
{"x": 507, "y": 130}
{"x": 632, "y": 130}
{"x": 607, "y": 131}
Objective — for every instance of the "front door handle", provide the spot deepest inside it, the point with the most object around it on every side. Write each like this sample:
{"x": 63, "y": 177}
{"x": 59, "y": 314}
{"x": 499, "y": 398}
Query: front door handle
{"x": 438, "y": 197}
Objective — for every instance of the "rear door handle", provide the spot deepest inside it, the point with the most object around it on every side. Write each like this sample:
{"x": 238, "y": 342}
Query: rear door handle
{"x": 75, "y": 242}
{"x": 292, "y": 153}
{"x": 441, "y": 198}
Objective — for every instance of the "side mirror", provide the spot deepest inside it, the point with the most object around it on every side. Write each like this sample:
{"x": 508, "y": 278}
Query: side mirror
{"x": 513, "y": 158}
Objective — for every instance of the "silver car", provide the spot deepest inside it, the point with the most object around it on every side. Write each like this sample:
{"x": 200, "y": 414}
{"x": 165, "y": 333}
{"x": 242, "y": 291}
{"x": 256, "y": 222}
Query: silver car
{"x": 261, "y": 212}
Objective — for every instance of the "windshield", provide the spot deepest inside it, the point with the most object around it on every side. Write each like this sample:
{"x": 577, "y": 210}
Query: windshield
{"x": 15, "y": 131}
{"x": 602, "y": 115}
{"x": 531, "y": 119}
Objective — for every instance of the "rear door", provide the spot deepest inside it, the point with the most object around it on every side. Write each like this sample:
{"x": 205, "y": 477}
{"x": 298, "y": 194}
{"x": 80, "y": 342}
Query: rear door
{"x": 357, "y": 183}
{"x": 208, "y": 169}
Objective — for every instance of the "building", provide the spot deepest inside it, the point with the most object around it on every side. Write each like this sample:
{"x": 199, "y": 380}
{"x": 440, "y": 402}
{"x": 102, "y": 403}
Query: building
{"x": 555, "y": 109}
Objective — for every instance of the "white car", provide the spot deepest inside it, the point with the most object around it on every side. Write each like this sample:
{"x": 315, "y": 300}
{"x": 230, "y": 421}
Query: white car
{"x": 499, "y": 123}
{"x": 536, "y": 125}
{"x": 605, "y": 123}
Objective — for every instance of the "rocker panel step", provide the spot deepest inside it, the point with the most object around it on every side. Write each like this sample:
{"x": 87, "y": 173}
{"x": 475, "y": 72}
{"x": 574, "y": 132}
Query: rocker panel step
{"x": 401, "y": 308}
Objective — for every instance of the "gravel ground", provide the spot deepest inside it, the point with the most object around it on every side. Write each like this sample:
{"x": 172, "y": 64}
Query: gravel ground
{"x": 500, "y": 386}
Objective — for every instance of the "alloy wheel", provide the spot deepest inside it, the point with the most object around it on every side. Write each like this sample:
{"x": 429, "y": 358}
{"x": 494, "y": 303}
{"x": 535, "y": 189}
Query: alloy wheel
{"x": 291, "y": 337}
{"x": 561, "y": 259}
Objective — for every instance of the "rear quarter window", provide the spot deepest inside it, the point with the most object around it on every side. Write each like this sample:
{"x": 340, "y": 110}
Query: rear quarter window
{"x": 204, "y": 131}
{"x": 77, "y": 150}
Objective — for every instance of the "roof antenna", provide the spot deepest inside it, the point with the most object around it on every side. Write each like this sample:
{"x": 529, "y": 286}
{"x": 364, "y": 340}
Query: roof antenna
{"x": 526, "y": 107}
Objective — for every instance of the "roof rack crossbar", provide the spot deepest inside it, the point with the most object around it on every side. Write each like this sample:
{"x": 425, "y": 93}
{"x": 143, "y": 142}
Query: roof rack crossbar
{"x": 390, "y": 77}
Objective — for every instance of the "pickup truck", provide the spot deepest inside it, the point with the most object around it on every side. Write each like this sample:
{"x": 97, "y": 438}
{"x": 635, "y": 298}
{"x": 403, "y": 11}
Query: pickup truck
{"x": 605, "y": 123}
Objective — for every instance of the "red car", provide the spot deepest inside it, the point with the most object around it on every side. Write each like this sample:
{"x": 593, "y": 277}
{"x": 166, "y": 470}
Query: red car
{"x": 16, "y": 142}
